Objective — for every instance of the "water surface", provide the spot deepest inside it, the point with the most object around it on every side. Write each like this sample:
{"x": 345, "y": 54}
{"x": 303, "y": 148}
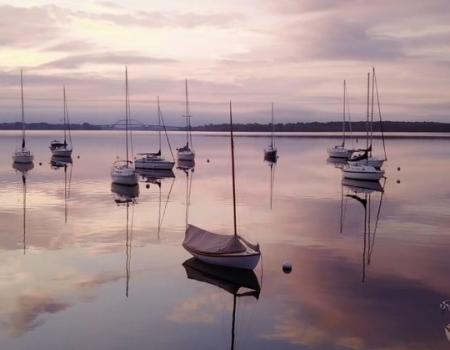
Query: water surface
{"x": 80, "y": 276}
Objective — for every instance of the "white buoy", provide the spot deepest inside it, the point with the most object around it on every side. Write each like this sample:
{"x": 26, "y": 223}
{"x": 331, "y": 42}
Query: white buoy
{"x": 287, "y": 267}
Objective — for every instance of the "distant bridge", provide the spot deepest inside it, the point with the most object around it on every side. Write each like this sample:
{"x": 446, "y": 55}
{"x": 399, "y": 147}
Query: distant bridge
{"x": 137, "y": 125}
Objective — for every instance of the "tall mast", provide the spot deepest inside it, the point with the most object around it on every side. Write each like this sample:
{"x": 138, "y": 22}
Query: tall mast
{"x": 23, "y": 111}
{"x": 371, "y": 112}
{"x": 273, "y": 128}
{"x": 232, "y": 171}
{"x": 65, "y": 111}
{"x": 343, "y": 120}
{"x": 159, "y": 126}
{"x": 126, "y": 112}
{"x": 367, "y": 118}
{"x": 188, "y": 122}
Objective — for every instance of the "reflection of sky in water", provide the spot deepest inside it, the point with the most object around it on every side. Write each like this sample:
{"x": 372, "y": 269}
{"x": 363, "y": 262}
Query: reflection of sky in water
{"x": 68, "y": 290}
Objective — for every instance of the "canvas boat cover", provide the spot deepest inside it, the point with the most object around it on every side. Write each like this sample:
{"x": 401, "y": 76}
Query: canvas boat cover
{"x": 203, "y": 241}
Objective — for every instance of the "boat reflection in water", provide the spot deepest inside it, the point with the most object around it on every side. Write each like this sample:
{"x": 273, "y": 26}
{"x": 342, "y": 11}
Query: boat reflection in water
{"x": 58, "y": 162}
{"x": 157, "y": 177}
{"x": 338, "y": 163}
{"x": 238, "y": 282}
{"x": 126, "y": 196}
{"x": 24, "y": 168}
{"x": 272, "y": 166}
{"x": 362, "y": 192}
{"x": 185, "y": 164}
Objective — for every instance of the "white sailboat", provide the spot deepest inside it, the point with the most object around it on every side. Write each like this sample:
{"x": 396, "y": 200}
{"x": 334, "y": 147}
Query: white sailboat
{"x": 270, "y": 153}
{"x": 63, "y": 148}
{"x": 365, "y": 157}
{"x": 22, "y": 155}
{"x": 122, "y": 172}
{"x": 155, "y": 161}
{"x": 363, "y": 170}
{"x": 186, "y": 153}
{"x": 340, "y": 151}
{"x": 225, "y": 250}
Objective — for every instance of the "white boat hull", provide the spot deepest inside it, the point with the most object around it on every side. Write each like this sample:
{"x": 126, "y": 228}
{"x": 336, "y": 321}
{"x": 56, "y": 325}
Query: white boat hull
{"x": 339, "y": 152}
{"x": 357, "y": 172}
{"x": 22, "y": 158}
{"x": 62, "y": 152}
{"x": 186, "y": 155}
{"x": 152, "y": 164}
{"x": 124, "y": 176}
{"x": 248, "y": 262}
{"x": 375, "y": 162}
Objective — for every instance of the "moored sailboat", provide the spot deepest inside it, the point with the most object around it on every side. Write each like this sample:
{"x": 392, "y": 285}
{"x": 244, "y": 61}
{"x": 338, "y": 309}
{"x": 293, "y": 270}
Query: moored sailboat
{"x": 155, "y": 161}
{"x": 270, "y": 153}
{"x": 340, "y": 151}
{"x": 23, "y": 154}
{"x": 63, "y": 148}
{"x": 187, "y": 153}
{"x": 218, "y": 249}
{"x": 122, "y": 172}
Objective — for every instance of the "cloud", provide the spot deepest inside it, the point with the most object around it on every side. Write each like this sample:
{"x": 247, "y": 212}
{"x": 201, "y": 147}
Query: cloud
{"x": 29, "y": 310}
{"x": 74, "y": 45}
{"x": 164, "y": 19}
{"x": 28, "y": 26}
{"x": 105, "y": 58}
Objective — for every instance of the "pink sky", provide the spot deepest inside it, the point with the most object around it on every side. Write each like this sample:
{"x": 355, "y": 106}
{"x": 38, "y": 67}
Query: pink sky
{"x": 292, "y": 52}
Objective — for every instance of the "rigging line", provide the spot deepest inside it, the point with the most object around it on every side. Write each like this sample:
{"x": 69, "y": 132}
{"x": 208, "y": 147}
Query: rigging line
{"x": 167, "y": 135}
{"x": 381, "y": 119}
{"x": 68, "y": 122}
{"x": 232, "y": 170}
{"x": 23, "y": 109}
{"x": 167, "y": 201}
{"x": 349, "y": 117}
{"x": 343, "y": 118}
{"x": 376, "y": 221}
{"x": 371, "y": 113}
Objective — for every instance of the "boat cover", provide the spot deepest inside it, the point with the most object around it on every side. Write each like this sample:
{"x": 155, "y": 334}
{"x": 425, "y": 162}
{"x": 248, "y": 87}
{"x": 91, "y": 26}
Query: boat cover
{"x": 200, "y": 240}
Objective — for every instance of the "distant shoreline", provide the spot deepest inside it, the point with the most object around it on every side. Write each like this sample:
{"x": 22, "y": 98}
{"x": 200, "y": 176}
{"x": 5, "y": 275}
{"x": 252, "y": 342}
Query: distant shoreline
{"x": 303, "y": 127}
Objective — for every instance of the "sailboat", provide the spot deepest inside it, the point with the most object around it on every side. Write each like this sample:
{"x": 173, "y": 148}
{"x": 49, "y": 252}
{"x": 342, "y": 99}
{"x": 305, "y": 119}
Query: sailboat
{"x": 270, "y": 153}
{"x": 340, "y": 151}
{"x": 63, "y": 148}
{"x": 361, "y": 191}
{"x": 155, "y": 160}
{"x": 126, "y": 196}
{"x": 22, "y": 155}
{"x": 363, "y": 170}
{"x": 122, "y": 172}
{"x": 186, "y": 153}
{"x": 225, "y": 250}
{"x": 24, "y": 168}
{"x": 365, "y": 157}
{"x": 229, "y": 279}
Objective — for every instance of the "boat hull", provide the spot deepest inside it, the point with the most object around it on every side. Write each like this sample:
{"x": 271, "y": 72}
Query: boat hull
{"x": 270, "y": 155}
{"x": 366, "y": 173}
{"x": 375, "y": 162}
{"x": 247, "y": 262}
{"x": 124, "y": 176}
{"x": 339, "y": 152}
{"x": 22, "y": 158}
{"x": 62, "y": 152}
{"x": 447, "y": 331}
{"x": 186, "y": 155}
{"x": 154, "y": 165}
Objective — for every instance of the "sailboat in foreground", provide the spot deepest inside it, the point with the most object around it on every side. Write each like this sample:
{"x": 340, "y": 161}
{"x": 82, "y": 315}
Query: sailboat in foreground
{"x": 340, "y": 151}
{"x": 224, "y": 250}
{"x": 155, "y": 160}
{"x": 122, "y": 173}
{"x": 22, "y": 155}
{"x": 186, "y": 153}
{"x": 58, "y": 148}
{"x": 270, "y": 153}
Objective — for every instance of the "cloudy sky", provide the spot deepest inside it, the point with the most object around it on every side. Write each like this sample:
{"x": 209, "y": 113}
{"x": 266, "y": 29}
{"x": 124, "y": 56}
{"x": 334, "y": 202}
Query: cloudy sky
{"x": 295, "y": 53}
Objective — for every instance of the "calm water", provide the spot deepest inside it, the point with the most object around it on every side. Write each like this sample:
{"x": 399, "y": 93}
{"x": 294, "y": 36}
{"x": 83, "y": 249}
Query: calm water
{"x": 77, "y": 279}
